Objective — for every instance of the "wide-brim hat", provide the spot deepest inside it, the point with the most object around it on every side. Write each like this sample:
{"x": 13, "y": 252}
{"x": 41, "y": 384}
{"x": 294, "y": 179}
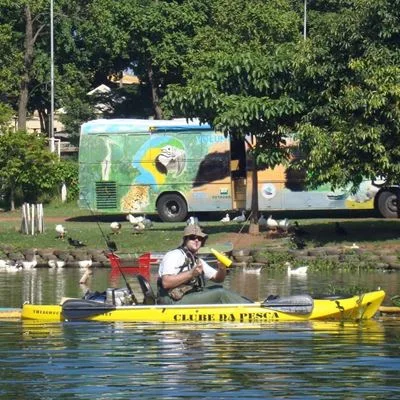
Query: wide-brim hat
{"x": 194, "y": 230}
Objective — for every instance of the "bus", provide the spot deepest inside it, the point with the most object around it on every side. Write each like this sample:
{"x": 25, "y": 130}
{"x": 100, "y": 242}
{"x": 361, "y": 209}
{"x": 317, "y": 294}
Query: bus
{"x": 174, "y": 167}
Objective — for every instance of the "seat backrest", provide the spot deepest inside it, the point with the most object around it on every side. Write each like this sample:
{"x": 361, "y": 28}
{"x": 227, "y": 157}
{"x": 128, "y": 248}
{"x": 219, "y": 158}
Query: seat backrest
{"x": 149, "y": 298}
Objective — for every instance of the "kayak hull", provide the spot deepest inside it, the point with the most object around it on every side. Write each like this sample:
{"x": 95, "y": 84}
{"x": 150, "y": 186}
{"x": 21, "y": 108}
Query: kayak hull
{"x": 354, "y": 308}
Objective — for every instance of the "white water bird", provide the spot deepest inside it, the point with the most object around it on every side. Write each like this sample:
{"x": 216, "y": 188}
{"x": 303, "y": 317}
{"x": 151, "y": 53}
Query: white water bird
{"x": 116, "y": 227}
{"x": 252, "y": 270}
{"x": 87, "y": 263}
{"x": 60, "y": 263}
{"x": 61, "y": 231}
{"x": 29, "y": 264}
{"x": 192, "y": 221}
{"x": 272, "y": 223}
{"x": 354, "y": 246}
{"x": 148, "y": 223}
{"x": 132, "y": 219}
{"x": 240, "y": 218}
{"x": 299, "y": 271}
{"x": 226, "y": 219}
{"x": 138, "y": 227}
{"x": 262, "y": 221}
{"x": 13, "y": 266}
{"x": 284, "y": 224}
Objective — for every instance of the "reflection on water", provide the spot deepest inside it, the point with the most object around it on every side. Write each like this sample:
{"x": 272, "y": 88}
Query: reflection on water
{"x": 50, "y": 285}
{"x": 126, "y": 361}
{"x": 314, "y": 360}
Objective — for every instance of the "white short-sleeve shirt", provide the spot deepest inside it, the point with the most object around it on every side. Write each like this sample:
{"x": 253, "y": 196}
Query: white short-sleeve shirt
{"x": 173, "y": 260}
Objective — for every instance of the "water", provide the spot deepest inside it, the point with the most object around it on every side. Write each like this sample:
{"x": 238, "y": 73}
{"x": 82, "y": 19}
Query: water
{"x": 84, "y": 360}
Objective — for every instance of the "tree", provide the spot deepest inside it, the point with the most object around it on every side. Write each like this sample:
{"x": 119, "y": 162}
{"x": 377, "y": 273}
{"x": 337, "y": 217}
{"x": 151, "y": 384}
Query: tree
{"x": 351, "y": 130}
{"x": 241, "y": 79}
{"x": 26, "y": 166}
{"x": 162, "y": 35}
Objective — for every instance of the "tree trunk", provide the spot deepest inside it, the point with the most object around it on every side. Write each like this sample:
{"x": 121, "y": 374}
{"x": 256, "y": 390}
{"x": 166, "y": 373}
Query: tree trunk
{"x": 12, "y": 198}
{"x": 154, "y": 92}
{"x": 25, "y": 78}
{"x": 254, "y": 228}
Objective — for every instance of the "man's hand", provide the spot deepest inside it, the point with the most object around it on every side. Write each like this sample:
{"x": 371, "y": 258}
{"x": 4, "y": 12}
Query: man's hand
{"x": 197, "y": 270}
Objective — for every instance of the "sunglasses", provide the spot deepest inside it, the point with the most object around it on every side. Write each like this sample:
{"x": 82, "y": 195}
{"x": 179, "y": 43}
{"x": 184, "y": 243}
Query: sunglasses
{"x": 194, "y": 237}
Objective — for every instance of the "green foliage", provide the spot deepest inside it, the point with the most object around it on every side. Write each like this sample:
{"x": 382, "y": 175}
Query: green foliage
{"x": 351, "y": 128}
{"x": 5, "y": 116}
{"x": 242, "y": 66}
{"x": 26, "y": 164}
{"x": 68, "y": 172}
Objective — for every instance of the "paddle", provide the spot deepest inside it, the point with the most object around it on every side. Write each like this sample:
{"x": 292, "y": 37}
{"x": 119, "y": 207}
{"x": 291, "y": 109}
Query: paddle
{"x": 297, "y": 304}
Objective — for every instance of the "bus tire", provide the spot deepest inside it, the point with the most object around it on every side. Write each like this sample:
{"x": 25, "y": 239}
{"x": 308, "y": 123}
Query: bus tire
{"x": 172, "y": 207}
{"x": 387, "y": 204}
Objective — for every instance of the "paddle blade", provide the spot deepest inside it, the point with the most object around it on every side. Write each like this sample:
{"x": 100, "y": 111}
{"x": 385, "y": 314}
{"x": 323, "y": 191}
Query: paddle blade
{"x": 223, "y": 259}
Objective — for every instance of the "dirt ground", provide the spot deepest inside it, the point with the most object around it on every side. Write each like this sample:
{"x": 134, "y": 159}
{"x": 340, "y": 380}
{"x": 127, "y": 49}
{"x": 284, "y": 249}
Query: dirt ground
{"x": 245, "y": 240}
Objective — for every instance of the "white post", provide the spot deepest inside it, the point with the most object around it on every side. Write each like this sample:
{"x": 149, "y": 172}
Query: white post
{"x": 33, "y": 220}
{"x": 305, "y": 21}
{"x": 51, "y": 124}
{"x": 63, "y": 193}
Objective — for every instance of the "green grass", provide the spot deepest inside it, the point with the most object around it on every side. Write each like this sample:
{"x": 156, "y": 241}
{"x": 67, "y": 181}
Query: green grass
{"x": 87, "y": 227}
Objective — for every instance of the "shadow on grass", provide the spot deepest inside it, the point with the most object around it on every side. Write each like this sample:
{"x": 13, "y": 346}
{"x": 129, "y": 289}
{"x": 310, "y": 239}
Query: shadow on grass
{"x": 216, "y": 216}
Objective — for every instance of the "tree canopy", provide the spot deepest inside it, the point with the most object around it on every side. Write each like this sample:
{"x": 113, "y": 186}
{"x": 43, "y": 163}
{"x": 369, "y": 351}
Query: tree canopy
{"x": 27, "y": 167}
{"x": 244, "y": 67}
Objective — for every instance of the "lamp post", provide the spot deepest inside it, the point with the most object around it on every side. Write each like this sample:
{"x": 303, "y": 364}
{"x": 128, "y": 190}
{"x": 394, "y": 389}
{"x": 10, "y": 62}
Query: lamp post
{"x": 305, "y": 21}
{"x": 51, "y": 124}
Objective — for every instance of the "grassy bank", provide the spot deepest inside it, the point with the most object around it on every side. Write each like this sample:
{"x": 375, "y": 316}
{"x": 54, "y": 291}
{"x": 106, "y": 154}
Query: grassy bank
{"x": 365, "y": 230}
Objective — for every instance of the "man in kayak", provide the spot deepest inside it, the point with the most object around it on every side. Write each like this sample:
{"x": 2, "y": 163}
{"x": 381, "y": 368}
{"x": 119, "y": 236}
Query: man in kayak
{"x": 182, "y": 275}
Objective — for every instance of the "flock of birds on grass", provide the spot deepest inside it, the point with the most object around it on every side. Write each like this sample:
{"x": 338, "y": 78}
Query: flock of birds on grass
{"x": 139, "y": 224}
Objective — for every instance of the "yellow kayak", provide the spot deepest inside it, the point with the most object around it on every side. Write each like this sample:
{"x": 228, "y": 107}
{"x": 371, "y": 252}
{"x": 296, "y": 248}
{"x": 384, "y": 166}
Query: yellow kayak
{"x": 281, "y": 309}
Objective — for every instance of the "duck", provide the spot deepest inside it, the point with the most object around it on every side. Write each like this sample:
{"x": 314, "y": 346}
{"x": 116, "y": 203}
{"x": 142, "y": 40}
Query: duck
{"x": 87, "y": 263}
{"x": 252, "y": 270}
{"x": 111, "y": 245}
{"x": 298, "y": 230}
{"x": 76, "y": 243}
{"x": 60, "y": 263}
{"x": 148, "y": 223}
{"x": 298, "y": 242}
{"x": 61, "y": 231}
{"x": 354, "y": 246}
{"x": 299, "y": 271}
{"x": 272, "y": 223}
{"x": 226, "y": 219}
{"x": 262, "y": 221}
{"x": 138, "y": 227}
{"x": 13, "y": 266}
{"x": 284, "y": 224}
{"x": 29, "y": 264}
{"x": 192, "y": 221}
{"x": 240, "y": 218}
{"x": 55, "y": 263}
{"x": 116, "y": 227}
{"x": 131, "y": 219}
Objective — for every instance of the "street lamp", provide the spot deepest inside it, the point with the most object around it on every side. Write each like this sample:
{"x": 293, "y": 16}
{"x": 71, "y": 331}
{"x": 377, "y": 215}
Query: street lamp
{"x": 51, "y": 124}
{"x": 305, "y": 21}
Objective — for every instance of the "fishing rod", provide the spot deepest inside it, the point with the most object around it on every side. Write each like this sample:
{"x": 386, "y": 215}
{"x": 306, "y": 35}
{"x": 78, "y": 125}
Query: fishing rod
{"x": 112, "y": 247}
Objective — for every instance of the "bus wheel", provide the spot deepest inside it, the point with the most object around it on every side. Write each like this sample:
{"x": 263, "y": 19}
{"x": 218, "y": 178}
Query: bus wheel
{"x": 172, "y": 208}
{"x": 387, "y": 204}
